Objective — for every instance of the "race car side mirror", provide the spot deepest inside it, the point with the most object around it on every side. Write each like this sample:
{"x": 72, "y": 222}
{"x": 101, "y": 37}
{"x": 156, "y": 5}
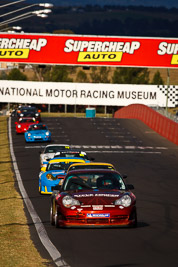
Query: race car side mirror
{"x": 43, "y": 169}
{"x": 130, "y": 186}
{"x": 92, "y": 159}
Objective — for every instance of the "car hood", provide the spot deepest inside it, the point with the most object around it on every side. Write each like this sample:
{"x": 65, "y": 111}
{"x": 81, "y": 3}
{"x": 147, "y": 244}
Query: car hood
{"x": 100, "y": 197}
{"x": 38, "y": 132}
{"x": 49, "y": 155}
{"x": 26, "y": 125}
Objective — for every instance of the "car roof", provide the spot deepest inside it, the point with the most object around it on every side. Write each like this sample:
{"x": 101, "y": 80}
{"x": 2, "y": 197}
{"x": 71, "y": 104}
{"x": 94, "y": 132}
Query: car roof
{"x": 93, "y": 163}
{"x": 57, "y": 145}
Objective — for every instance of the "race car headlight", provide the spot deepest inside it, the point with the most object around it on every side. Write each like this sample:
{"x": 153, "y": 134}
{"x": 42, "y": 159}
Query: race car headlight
{"x": 36, "y": 114}
{"x": 29, "y": 134}
{"x": 46, "y": 158}
{"x": 124, "y": 201}
{"x": 68, "y": 202}
{"x": 19, "y": 126}
{"x": 47, "y": 133}
{"x": 49, "y": 176}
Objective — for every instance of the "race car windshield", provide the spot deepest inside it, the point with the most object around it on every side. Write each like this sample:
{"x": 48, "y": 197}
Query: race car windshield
{"x": 29, "y": 109}
{"x": 94, "y": 181}
{"x": 37, "y": 127}
{"x": 63, "y": 166}
{"x": 27, "y": 120}
{"x": 72, "y": 154}
{"x": 54, "y": 149}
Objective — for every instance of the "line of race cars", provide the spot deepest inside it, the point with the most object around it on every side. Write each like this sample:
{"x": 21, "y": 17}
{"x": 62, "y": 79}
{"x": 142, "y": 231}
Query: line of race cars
{"x": 84, "y": 193}
{"x": 29, "y": 123}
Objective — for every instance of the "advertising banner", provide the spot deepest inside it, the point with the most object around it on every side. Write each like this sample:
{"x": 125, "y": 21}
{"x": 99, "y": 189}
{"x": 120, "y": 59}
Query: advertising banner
{"x": 87, "y": 93}
{"x": 89, "y": 50}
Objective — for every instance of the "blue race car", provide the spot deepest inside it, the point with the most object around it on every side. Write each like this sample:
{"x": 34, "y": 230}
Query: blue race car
{"x": 38, "y": 133}
{"x": 53, "y": 175}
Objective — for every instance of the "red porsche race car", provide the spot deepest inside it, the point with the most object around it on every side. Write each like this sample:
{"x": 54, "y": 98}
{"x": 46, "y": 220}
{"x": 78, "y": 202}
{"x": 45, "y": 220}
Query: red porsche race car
{"x": 93, "y": 198}
{"x": 23, "y": 124}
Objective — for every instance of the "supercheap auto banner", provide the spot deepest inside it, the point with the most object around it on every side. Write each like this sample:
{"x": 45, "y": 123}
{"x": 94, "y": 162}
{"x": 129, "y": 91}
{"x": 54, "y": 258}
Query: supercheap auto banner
{"x": 89, "y": 50}
{"x": 87, "y": 93}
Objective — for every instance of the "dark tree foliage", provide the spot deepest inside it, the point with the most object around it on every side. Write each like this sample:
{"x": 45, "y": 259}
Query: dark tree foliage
{"x": 100, "y": 75}
{"x": 81, "y": 77}
{"x": 3, "y": 75}
{"x": 131, "y": 76}
{"x": 157, "y": 79}
{"x": 58, "y": 74}
{"x": 16, "y": 75}
{"x": 103, "y": 20}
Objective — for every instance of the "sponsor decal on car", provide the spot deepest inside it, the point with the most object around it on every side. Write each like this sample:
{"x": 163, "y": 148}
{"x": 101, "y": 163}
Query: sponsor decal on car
{"x": 97, "y": 195}
{"x": 98, "y": 215}
{"x": 97, "y": 207}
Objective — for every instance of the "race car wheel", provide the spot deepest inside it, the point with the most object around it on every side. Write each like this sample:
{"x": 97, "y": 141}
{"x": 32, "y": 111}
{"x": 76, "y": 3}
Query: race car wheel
{"x": 134, "y": 217}
{"x": 40, "y": 190}
{"x": 52, "y": 219}
{"x": 56, "y": 219}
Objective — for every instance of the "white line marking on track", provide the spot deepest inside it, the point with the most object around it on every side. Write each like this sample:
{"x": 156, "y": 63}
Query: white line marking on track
{"x": 52, "y": 250}
{"x": 136, "y": 148}
{"x": 123, "y": 152}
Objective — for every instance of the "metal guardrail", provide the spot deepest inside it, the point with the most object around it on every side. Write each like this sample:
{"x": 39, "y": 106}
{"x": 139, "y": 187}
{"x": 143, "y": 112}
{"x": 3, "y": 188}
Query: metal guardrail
{"x": 167, "y": 114}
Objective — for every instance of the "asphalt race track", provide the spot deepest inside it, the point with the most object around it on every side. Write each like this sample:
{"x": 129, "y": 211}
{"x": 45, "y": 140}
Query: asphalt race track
{"x": 151, "y": 163}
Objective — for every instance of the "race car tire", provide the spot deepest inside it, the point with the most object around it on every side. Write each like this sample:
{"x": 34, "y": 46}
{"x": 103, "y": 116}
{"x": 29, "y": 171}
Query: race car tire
{"x": 135, "y": 219}
{"x": 40, "y": 190}
{"x": 56, "y": 219}
{"x": 52, "y": 219}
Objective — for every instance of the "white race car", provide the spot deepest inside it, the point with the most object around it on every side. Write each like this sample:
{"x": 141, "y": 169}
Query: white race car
{"x": 49, "y": 152}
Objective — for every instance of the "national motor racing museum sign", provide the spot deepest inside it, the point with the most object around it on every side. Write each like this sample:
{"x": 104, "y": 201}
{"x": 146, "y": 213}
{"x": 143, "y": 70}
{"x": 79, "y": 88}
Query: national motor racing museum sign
{"x": 89, "y": 50}
{"x": 86, "y": 93}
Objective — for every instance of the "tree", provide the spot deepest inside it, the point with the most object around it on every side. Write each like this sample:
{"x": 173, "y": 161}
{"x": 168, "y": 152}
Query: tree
{"x": 157, "y": 79}
{"x": 58, "y": 74}
{"x": 17, "y": 75}
{"x": 131, "y": 76}
{"x": 41, "y": 71}
{"x": 63, "y": 32}
{"x": 100, "y": 75}
{"x": 81, "y": 77}
{"x": 3, "y": 75}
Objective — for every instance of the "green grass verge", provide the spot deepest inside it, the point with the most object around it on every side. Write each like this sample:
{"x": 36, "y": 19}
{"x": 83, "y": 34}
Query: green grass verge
{"x": 16, "y": 246}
